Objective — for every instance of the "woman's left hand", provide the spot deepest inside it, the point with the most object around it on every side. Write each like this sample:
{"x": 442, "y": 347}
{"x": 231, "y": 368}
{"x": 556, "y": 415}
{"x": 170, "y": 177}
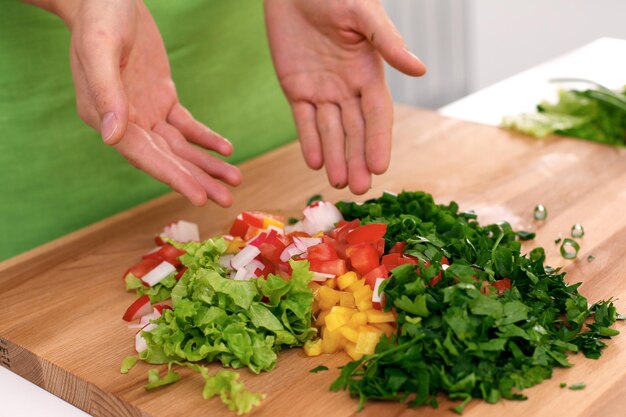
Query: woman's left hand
{"x": 329, "y": 56}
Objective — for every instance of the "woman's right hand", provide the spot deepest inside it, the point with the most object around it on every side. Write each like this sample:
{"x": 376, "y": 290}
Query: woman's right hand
{"x": 124, "y": 89}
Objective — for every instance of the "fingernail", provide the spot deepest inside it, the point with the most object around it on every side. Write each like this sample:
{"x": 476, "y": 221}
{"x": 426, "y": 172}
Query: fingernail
{"x": 108, "y": 127}
{"x": 412, "y": 54}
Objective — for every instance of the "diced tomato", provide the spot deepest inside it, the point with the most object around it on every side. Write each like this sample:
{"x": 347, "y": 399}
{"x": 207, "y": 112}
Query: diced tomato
{"x": 138, "y": 308}
{"x": 340, "y": 248}
{"x": 502, "y": 285}
{"x": 180, "y": 273}
{"x": 434, "y": 280}
{"x": 297, "y": 233}
{"x": 445, "y": 261}
{"x": 167, "y": 253}
{"x": 406, "y": 260}
{"x": 252, "y": 218}
{"x": 363, "y": 258}
{"x": 340, "y": 233}
{"x": 398, "y": 247}
{"x": 390, "y": 261}
{"x": 161, "y": 307}
{"x": 378, "y": 272}
{"x": 158, "y": 241}
{"x": 336, "y": 267}
{"x": 380, "y": 247}
{"x": 368, "y": 233}
{"x": 239, "y": 227}
{"x": 322, "y": 252}
{"x": 142, "y": 268}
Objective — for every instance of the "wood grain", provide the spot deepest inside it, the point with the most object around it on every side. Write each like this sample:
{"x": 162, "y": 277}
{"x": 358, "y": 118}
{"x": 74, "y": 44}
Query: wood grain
{"x": 63, "y": 302}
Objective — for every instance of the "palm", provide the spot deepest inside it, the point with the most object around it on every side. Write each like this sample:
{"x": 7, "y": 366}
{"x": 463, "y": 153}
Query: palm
{"x": 333, "y": 76}
{"x": 159, "y": 134}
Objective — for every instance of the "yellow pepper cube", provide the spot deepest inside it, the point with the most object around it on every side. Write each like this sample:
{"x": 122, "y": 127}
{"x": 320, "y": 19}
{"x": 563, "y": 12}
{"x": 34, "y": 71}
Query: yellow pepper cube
{"x": 335, "y": 320}
{"x": 345, "y": 280}
{"x": 363, "y": 293}
{"x": 351, "y": 351}
{"x": 313, "y": 347}
{"x": 376, "y": 316}
{"x": 386, "y": 328}
{"x": 358, "y": 319}
{"x": 331, "y": 341}
{"x": 321, "y": 318}
{"x": 364, "y": 305}
{"x": 367, "y": 341}
{"x": 356, "y": 285}
{"x": 346, "y": 299}
{"x": 328, "y": 297}
{"x": 235, "y": 246}
{"x": 315, "y": 287}
{"x": 344, "y": 311}
{"x": 268, "y": 221}
{"x": 331, "y": 283}
{"x": 349, "y": 333}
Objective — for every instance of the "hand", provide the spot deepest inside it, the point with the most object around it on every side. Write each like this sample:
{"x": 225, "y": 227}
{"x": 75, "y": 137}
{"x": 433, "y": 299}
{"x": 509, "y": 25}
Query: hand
{"x": 327, "y": 55}
{"x": 124, "y": 89}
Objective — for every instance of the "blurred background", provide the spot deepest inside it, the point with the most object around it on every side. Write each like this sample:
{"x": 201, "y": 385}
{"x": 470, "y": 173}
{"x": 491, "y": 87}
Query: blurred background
{"x": 471, "y": 44}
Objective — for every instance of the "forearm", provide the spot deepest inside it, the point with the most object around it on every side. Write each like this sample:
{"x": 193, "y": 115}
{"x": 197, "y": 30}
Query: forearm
{"x": 65, "y": 9}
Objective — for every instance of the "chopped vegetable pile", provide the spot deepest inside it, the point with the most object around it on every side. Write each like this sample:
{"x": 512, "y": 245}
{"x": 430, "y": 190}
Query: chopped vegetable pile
{"x": 597, "y": 114}
{"x": 419, "y": 295}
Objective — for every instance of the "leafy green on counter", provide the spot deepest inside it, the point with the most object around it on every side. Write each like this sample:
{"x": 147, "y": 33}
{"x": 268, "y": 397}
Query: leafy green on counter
{"x": 319, "y": 368}
{"x": 156, "y": 381}
{"x": 578, "y": 387}
{"x": 460, "y": 336}
{"x": 128, "y": 363}
{"x": 596, "y": 114}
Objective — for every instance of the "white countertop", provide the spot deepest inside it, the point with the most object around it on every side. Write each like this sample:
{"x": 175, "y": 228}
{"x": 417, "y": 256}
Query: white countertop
{"x": 603, "y": 61}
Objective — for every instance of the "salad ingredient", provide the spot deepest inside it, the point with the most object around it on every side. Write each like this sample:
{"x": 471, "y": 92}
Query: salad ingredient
{"x": 140, "y": 307}
{"x": 158, "y": 274}
{"x": 540, "y": 212}
{"x": 181, "y": 231}
{"x": 569, "y": 248}
{"x": 496, "y": 322}
{"x": 578, "y": 387}
{"x": 597, "y": 114}
{"x": 127, "y": 364}
{"x": 578, "y": 231}
{"x": 319, "y": 368}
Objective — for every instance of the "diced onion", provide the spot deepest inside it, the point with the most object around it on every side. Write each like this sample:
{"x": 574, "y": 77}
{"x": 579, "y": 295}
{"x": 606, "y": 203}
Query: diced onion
{"x": 140, "y": 342}
{"x": 243, "y": 258}
{"x": 159, "y": 272}
{"x": 241, "y": 275}
{"x": 321, "y": 276}
{"x": 182, "y": 231}
{"x": 289, "y": 252}
{"x": 296, "y": 227}
{"x": 376, "y": 297}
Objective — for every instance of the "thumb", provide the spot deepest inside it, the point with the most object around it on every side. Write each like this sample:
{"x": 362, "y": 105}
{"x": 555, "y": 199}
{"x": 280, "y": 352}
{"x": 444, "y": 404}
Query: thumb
{"x": 102, "y": 70}
{"x": 375, "y": 25}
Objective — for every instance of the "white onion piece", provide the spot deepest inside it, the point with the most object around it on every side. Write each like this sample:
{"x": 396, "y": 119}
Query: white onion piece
{"x": 225, "y": 260}
{"x": 445, "y": 266}
{"x": 297, "y": 227}
{"x": 140, "y": 342}
{"x": 253, "y": 266}
{"x": 233, "y": 274}
{"x": 310, "y": 241}
{"x": 376, "y": 297}
{"x": 289, "y": 252}
{"x": 321, "y": 276}
{"x": 228, "y": 238}
{"x": 243, "y": 258}
{"x": 146, "y": 319}
{"x": 299, "y": 244}
{"x": 241, "y": 275}
{"x": 158, "y": 273}
{"x": 320, "y": 218}
{"x": 188, "y": 231}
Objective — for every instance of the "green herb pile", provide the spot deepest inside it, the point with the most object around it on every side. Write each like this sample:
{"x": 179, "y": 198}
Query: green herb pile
{"x": 215, "y": 318}
{"x": 461, "y": 336}
{"x": 596, "y": 114}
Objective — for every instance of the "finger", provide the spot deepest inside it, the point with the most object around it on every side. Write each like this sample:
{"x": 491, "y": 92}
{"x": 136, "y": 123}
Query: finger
{"x": 333, "y": 144}
{"x": 147, "y": 153}
{"x": 304, "y": 116}
{"x": 198, "y": 133}
{"x": 100, "y": 55}
{"x": 213, "y": 166}
{"x": 215, "y": 191}
{"x": 373, "y": 23}
{"x": 359, "y": 177}
{"x": 377, "y": 108}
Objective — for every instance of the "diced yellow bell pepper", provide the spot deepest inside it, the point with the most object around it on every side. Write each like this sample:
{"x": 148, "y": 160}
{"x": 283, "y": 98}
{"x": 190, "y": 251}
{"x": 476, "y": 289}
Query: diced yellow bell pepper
{"x": 349, "y": 333}
{"x": 331, "y": 283}
{"x": 328, "y": 297}
{"x": 344, "y": 311}
{"x": 351, "y": 351}
{"x": 321, "y": 318}
{"x": 386, "y": 328}
{"x": 376, "y": 316}
{"x": 315, "y": 287}
{"x": 313, "y": 347}
{"x": 363, "y": 293}
{"x": 234, "y": 246}
{"x": 345, "y": 280}
{"x": 331, "y": 341}
{"x": 364, "y": 305}
{"x": 346, "y": 299}
{"x": 335, "y": 320}
{"x": 356, "y": 285}
{"x": 367, "y": 341}
{"x": 358, "y": 319}
{"x": 268, "y": 221}
{"x": 315, "y": 307}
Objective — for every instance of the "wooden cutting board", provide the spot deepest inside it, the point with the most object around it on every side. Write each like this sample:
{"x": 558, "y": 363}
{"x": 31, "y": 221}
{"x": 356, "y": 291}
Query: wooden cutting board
{"x": 61, "y": 326}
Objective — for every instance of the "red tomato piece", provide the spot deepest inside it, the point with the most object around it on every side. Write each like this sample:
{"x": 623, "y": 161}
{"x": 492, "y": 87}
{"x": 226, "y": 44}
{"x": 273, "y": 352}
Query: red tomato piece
{"x": 434, "y": 280}
{"x": 378, "y": 272}
{"x": 167, "y": 253}
{"x": 390, "y": 261}
{"x": 368, "y": 233}
{"x": 380, "y": 246}
{"x": 502, "y": 285}
{"x": 158, "y": 241}
{"x": 239, "y": 227}
{"x": 405, "y": 260}
{"x": 398, "y": 247}
{"x": 140, "y": 307}
{"x": 363, "y": 258}
{"x": 322, "y": 252}
{"x": 254, "y": 219}
{"x": 336, "y": 267}
{"x": 340, "y": 248}
{"x": 142, "y": 268}
{"x": 161, "y": 307}
{"x": 341, "y": 232}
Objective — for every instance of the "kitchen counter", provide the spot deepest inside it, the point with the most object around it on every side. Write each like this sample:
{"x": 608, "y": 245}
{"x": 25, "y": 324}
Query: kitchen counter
{"x": 603, "y": 61}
